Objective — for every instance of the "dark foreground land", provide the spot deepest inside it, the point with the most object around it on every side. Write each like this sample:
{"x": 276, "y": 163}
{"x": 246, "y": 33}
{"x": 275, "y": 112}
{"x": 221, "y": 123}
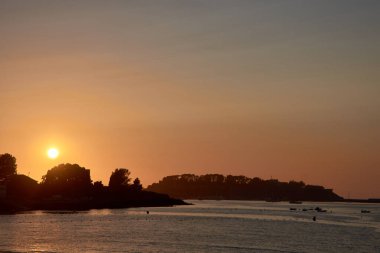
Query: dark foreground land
{"x": 69, "y": 187}
{"x": 141, "y": 199}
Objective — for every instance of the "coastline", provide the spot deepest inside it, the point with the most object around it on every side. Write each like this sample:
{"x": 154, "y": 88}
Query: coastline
{"x": 14, "y": 206}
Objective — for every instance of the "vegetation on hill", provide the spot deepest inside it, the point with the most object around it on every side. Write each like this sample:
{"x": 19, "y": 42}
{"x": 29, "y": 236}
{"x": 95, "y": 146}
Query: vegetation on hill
{"x": 215, "y": 186}
{"x": 69, "y": 187}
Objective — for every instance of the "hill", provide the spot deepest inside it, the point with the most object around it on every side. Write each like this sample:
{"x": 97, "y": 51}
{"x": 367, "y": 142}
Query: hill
{"x": 69, "y": 187}
{"x": 216, "y": 186}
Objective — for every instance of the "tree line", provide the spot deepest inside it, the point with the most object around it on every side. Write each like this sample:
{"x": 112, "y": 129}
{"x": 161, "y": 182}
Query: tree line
{"x": 69, "y": 186}
{"x": 68, "y": 180}
{"x": 216, "y": 186}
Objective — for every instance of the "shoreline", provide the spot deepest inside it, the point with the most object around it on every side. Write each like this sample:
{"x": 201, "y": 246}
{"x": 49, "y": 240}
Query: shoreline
{"x": 10, "y": 206}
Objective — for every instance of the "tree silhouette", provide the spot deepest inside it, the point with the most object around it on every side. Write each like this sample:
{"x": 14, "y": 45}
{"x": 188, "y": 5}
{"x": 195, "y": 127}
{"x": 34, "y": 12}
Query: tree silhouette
{"x": 68, "y": 180}
{"x": 215, "y": 186}
{"x": 137, "y": 186}
{"x": 69, "y": 187}
{"x": 98, "y": 185}
{"x": 8, "y": 165}
{"x": 119, "y": 178}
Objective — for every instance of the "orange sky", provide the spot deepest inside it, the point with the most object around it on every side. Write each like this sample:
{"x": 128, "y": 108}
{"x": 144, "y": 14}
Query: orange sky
{"x": 287, "y": 89}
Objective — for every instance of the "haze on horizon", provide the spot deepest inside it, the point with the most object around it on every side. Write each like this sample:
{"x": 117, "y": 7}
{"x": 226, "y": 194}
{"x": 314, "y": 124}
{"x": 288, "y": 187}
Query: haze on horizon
{"x": 282, "y": 89}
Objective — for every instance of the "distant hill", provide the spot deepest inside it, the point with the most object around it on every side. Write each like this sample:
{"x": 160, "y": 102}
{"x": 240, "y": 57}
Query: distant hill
{"x": 215, "y": 186}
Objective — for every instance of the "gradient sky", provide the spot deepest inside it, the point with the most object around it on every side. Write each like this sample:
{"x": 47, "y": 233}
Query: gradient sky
{"x": 282, "y": 89}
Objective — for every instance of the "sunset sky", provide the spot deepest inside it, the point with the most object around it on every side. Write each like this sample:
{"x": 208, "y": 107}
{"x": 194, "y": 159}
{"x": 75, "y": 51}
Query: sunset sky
{"x": 282, "y": 89}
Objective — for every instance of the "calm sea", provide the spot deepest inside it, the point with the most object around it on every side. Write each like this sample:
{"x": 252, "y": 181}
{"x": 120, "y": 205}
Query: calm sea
{"x": 206, "y": 226}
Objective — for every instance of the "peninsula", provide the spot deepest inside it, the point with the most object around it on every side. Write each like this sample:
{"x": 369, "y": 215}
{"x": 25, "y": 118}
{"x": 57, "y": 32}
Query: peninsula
{"x": 69, "y": 187}
{"x": 216, "y": 186}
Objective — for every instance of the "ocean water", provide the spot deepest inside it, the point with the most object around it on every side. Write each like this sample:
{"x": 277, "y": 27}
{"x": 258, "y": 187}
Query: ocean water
{"x": 206, "y": 226}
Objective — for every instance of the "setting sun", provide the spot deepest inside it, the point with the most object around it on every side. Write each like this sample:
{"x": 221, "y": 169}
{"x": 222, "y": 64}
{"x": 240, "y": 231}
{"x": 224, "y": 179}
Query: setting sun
{"x": 52, "y": 153}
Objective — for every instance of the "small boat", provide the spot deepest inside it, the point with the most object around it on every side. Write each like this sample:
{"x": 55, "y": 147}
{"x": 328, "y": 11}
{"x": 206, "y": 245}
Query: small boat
{"x": 320, "y": 210}
{"x": 293, "y": 209}
{"x": 365, "y": 211}
{"x": 295, "y": 202}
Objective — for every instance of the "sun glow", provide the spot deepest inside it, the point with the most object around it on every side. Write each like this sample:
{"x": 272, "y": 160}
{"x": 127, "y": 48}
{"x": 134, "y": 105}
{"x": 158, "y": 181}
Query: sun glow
{"x": 52, "y": 153}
